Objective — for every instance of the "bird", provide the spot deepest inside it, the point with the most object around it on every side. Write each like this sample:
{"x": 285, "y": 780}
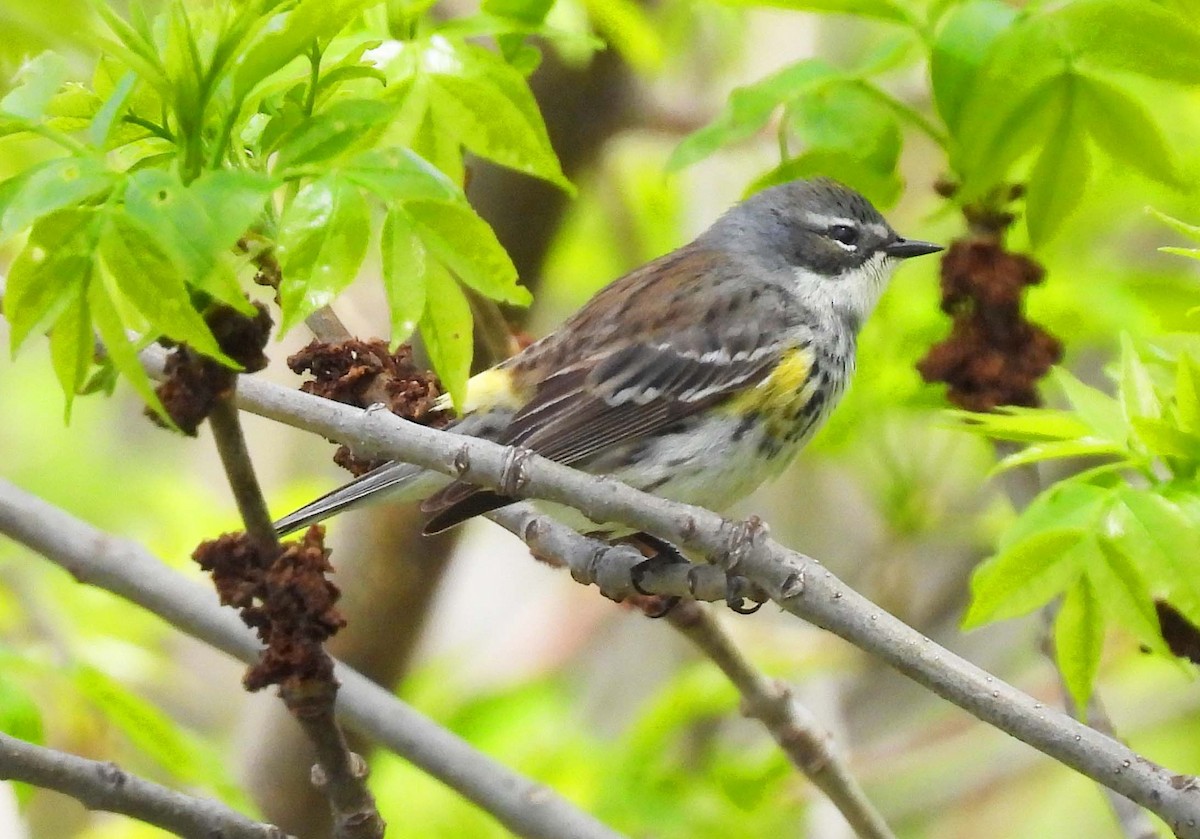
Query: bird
{"x": 695, "y": 377}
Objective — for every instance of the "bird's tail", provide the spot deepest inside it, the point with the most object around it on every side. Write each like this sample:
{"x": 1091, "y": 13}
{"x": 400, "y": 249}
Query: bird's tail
{"x": 391, "y": 482}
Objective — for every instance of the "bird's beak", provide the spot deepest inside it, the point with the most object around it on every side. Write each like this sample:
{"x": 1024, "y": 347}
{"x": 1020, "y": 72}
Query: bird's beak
{"x": 905, "y": 248}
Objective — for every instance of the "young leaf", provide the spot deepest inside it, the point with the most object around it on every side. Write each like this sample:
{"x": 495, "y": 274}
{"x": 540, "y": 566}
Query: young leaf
{"x": 1067, "y": 504}
{"x": 1123, "y": 591}
{"x": 1079, "y": 640}
{"x": 446, "y": 329}
{"x": 50, "y": 273}
{"x": 1135, "y": 387}
{"x": 1057, "y": 450}
{"x": 847, "y": 117}
{"x": 1187, "y": 394}
{"x": 1142, "y": 38}
{"x": 200, "y": 222}
{"x": 1192, "y": 231}
{"x": 153, "y": 282}
{"x": 1025, "y": 576}
{"x": 1165, "y": 440}
{"x": 464, "y": 242}
{"x": 1060, "y": 175}
{"x": 304, "y": 24}
{"x": 38, "y": 80}
{"x": 1162, "y": 539}
{"x": 343, "y": 126}
{"x": 487, "y": 104}
{"x": 322, "y": 241}
{"x": 120, "y": 351}
{"x": 51, "y": 186}
{"x": 749, "y": 108}
{"x": 1126, "y": 129}
{"x": 628, "y": 29}
{"x": 961, "y": 48}
{"x": 72, "y": 346}
{"x": 880, "y": 9}
{"x": 405, "y": 270}
{"x": 1024, "y": 425}
{"x": 1100, "y": 411}
{"x": 397, "y": 175}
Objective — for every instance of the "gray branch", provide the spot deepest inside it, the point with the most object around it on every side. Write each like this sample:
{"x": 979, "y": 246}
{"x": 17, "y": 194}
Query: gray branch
{"x": 797, "y": 583}
{"x": 105, "y": 786}
{"x": 809, "y": 746}
{"x": 128, "y": 570}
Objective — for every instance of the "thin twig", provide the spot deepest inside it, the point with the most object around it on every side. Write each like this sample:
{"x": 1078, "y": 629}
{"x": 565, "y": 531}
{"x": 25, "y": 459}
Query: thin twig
{"x": 799, "y": 584}
{"x": 129, "y": 571}
{"x": 105, "y": 786}
{"x": 807, "y": 744}
{"x": 340, "y": 774}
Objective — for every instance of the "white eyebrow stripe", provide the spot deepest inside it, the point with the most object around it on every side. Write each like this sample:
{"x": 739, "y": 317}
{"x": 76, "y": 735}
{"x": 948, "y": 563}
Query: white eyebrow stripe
{"x": 824, "y": 221}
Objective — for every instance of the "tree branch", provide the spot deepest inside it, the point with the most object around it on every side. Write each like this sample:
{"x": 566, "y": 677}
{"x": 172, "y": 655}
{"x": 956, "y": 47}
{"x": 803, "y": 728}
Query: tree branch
{"x": 770, "y": 702}
{"x": 799, "y": 584}
{"x": 105, "y": 786}
{"x": 128, "y": 570}
{"x": 339, "y": 774}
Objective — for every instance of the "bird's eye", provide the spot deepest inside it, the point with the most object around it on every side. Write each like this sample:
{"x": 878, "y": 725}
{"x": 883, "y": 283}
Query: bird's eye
{"x": 843, "y": 234}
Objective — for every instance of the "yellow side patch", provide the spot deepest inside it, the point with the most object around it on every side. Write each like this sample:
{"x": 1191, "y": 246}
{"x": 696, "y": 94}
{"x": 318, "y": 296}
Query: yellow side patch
{"x": 782, "y": 394}
{"x": 491, "y": 389}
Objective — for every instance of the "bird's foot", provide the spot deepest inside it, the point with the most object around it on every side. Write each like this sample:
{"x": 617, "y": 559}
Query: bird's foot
{"x": 663, "y": 559}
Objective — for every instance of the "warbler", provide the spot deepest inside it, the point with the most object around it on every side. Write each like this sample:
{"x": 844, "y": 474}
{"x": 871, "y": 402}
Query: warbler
{"x": 694, "y": 377}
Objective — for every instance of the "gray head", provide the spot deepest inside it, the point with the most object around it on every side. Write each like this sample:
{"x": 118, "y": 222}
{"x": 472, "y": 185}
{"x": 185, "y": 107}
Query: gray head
{"x": 822, "y": 238}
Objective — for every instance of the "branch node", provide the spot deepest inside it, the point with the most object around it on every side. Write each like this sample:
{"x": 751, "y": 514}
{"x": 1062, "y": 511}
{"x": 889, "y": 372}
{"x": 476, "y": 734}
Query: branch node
{"x": 793, "y": 586}
{"x": 514, "y": 471}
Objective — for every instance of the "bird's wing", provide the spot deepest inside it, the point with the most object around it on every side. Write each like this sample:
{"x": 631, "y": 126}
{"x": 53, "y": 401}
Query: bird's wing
{"x": 628, "y": 390}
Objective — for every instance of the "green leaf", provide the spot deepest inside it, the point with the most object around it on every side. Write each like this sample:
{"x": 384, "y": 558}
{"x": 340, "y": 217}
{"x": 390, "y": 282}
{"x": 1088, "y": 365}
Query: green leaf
{"x": 321, "y": 244}
{"x": 1165, "y": 440}
{"x": 846, "y": 117}
{"x": 1023, "y": 425}
{"x": 121, "y": 352}
{"x": 485, "y": 103}
{"x": 1155, "y": 533}
{"x": 102, "y": 123}
{"x": 529, "y": 12}
{"x": 152, "y": 281}
{"x": 1187, "y": 394}
{"x": 446, "y": 329}
{"x": 1190, "y": 230}
{"x": 1060, "y": 176}
{"x": 1126, "y": 129}
{"x": 961, "y": 48}
{"x": 628, "y": 29}
{"x": 200, "y": 222}
{"x": 175, "y": 749}
{"x": 405, "y": 274}
{"x": 750, "y": 107}
{"x": 879, "y": 9}
{"x": 1086, "y": 447}
{"x": 38, "y": 80}
{"x": 51, "y": 186}
{"x": 1142, "y": 38}
{"x": 343, "y": 126}
{"x": 1135, "y": 387}
{"x": 1079, "y": 640}
{"x": 1067, "y": 504}
{"x": 397, "y": 174}
{"x": 1025, "y": 576}
{"x": 1098, "y": 410}
{"x": 1016, "y": 98}
{"x": 881, "y": 188}
{"x": 72, "y": 347}
{"x": 50, "y": 273}
{"x": 1123, "y": 592}
{"x": 464, "y": 243}
{"x": 308, "y": 21}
